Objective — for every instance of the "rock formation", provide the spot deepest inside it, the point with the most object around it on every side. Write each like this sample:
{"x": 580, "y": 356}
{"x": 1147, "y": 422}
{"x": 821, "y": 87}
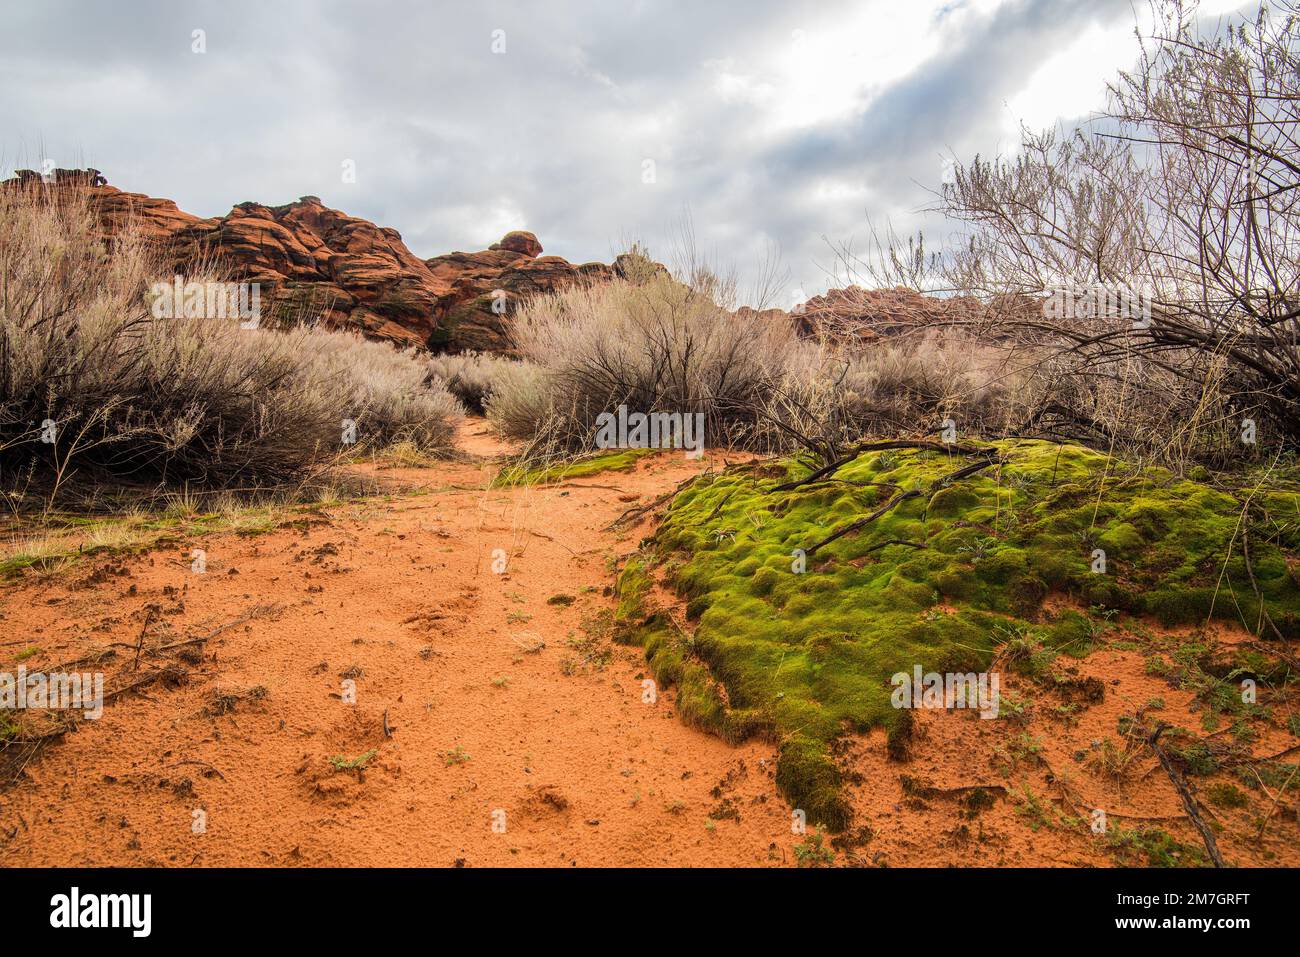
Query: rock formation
{"x": 314, "y": 260}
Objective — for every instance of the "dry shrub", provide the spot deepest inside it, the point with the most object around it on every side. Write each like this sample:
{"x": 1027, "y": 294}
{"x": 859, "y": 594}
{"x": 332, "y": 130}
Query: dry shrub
{"x": 388, "y": 392}
{"x": 1182, "y": 192}
{"x": 662, "y": 346}
{"x": 471, "y": 376}
{"x": 831, "y": 396}
{"x": 653, "y": 345}
{"x": 177, "y": 400}
{"x": 521, "y": 406}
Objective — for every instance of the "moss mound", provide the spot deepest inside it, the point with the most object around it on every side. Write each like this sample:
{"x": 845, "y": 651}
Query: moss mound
{"x": 798, "y": 640}
{"x": 614, "y": 460}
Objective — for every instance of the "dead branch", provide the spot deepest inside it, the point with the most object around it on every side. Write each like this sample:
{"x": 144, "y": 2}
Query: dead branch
{"x": 835, "y": 466}
{"x": 257, "y": 611}
{"x": 1185, "y": 794}
{"x": 902, "y": 497}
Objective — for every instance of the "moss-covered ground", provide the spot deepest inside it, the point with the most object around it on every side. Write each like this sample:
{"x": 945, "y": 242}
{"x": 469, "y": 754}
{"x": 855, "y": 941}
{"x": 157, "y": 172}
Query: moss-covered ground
{"x": 798, "y": 642}
{"x": 613, "y": 460}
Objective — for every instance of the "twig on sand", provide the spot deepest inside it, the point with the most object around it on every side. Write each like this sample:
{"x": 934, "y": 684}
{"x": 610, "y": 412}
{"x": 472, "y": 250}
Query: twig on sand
{"x": 1185, "y": 794}
{"x": 96, "y": 656}
{"x": 257, "y": 611}
{"x": 1075, "y": 800}
{"x": 204, "y": 764}
{"x": 1267, "y": 817}
{"x": 1281, "y": 754}
{"x": 139, "y": 643}
{"x": 168, "y": 672}
{"x": 636, "y": 511}
{"x": 928, "y": 790}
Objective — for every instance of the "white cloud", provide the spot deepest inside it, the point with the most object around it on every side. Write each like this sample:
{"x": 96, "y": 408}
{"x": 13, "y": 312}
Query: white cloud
{"x": 1072, "y": 82}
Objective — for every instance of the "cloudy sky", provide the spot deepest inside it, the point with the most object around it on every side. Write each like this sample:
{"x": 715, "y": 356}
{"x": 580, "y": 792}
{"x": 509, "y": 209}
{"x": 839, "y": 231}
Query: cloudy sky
{"x": 774, "y": 124}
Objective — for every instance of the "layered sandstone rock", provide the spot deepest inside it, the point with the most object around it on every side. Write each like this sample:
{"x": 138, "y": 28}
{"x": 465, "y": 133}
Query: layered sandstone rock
{"x": 312, "y": 260}
{"x": 485, "y": 288}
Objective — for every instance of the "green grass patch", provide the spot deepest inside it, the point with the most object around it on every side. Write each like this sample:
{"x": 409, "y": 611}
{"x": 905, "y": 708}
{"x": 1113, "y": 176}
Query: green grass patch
{"x": 342, "y": 763}
{"x": 613, "y": 460}
{"x": 802, "y": 649}
{"x": 1153, "y": 847}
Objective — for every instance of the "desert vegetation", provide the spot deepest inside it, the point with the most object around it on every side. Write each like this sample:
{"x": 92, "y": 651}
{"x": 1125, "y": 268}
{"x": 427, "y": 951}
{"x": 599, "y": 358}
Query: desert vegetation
{"x": 667, "y": 344}
{"x": 93, "y": 384}
{"x": 1062, "y": 450}
{"x": 472, "y": 377}
{"x": 1171, "y": 431}
{"x": 927, "y": 556}
{"x": 1181, "y": 194}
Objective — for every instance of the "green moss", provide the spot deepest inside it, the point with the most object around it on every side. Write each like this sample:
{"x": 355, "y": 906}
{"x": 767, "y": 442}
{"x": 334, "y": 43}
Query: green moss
{"x": 806, "y": 774}
{"x": 614, "y": 460}
{"x": 1227, "y": 796}
{"x": 1072, "y": 633}
{"x": 805, "y": 657}
{"x": 1155, "y": 848}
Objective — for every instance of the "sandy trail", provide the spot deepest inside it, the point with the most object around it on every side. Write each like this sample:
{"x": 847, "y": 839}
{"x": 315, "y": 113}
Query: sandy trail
{"x": 496, "y": 723}
{"x": 401, "y": 597}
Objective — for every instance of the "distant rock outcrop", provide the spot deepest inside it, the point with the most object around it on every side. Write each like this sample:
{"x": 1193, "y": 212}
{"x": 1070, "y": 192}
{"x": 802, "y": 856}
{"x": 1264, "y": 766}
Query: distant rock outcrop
{"x": 858, "y": 314}
{"x": 314, "y": 260}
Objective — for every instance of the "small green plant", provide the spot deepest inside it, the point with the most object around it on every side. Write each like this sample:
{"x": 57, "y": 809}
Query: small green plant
{"x": 456, "y": 755}
{"x": 811, "y": 852}
{"x": 1157, "y": 846}
{"x": 1025, "y": 650}
{"x": 1025, "y": 747}
{"x": 1227, "y": 795}
{"x": 342, "y": 763}
{"x": 9, "y": 729}
{"x": 1112, "y": 761}
{"x": 1014, "y": 707}
{"x": 1033, "y": 809}
{"x": 980, "y": 548}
